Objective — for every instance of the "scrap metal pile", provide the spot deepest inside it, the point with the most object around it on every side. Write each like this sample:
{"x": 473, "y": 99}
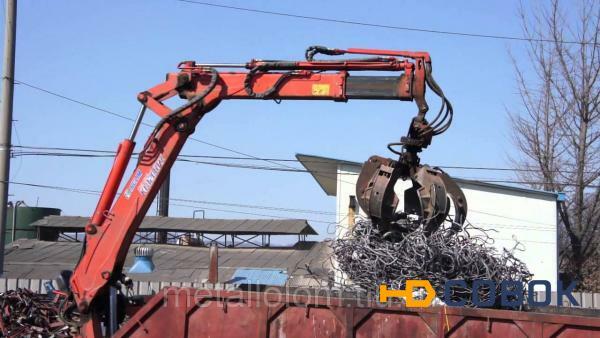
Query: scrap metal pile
{"x": 29, "y": 314}
{"x": 367, "y": 260}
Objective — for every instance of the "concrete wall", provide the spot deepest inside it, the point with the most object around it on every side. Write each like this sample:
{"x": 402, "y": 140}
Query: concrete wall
{"x": 527, "y": 216}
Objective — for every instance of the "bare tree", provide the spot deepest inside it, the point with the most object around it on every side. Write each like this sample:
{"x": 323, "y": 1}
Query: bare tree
{"x": 557, "y": 131}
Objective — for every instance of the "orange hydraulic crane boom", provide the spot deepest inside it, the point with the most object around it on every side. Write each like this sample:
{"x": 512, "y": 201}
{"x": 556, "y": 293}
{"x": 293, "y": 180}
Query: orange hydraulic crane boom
{"x": 113, "y": 225}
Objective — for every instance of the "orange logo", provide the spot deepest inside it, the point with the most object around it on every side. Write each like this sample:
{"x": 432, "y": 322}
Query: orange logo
{"x": 407, "y": 293}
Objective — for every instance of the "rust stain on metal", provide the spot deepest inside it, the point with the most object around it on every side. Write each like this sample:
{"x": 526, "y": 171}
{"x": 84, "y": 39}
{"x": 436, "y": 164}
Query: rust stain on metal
{"x": 213, "y": 272}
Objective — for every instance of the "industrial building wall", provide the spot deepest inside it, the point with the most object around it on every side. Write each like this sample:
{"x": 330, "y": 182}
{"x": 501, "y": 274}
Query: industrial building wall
{"x": 528, "y": 216}
{"x": 346, "y": 187}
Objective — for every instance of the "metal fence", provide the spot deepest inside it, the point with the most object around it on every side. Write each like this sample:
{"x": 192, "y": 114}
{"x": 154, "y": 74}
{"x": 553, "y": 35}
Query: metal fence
{"x": 585, "y": 300}
{"x": 139, "y": 287}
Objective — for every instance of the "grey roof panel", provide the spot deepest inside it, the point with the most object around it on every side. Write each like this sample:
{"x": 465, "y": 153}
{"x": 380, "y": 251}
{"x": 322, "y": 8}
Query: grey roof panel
{"x": 235, "y": 226}
{"x": 327, "y": 168}
{"x": 42, "y": 260}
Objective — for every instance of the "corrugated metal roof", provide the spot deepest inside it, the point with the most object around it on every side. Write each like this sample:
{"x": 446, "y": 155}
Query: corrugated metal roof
{"x": 325, "y": 169}
{"x": 28, "y": 258}
{"x": 179, "y": 224}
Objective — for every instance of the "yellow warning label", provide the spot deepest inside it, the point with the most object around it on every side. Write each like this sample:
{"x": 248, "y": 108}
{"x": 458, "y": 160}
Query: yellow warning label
{"x": 320, "y": 89}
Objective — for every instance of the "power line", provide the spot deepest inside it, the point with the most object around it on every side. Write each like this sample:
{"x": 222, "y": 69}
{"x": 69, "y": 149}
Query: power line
{"x": 54, "y": 187}
{"x": 262, "y": 207}
{"x": 506, "y": 217}
{"x": 523, "y": 227}
{"x": 525, "y": 240}
{"x": 307, "y": 211}
{"x": 148, "y": 125}
{"x": 112, "y": 153}
{"x": 314, "y": 172}
{"x": 18, "y": 82}
{"x": 181, "y": 158}
{"x": 109, "y": 153}
{"x": 237, "y": 205}
{"x": 133, "y": 120}
{"x": 246, "y": 213}
{"x": 374, "y": 25}
{"x": 512, "y": 169}
{"x": 288, "y": 167}
{"x": 528, "y": 182}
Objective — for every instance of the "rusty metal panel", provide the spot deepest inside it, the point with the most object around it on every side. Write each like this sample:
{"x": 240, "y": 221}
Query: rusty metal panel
{"x": 398, "y": 323}
{"x": 305, "y": 321}
{"x": 488, "y": 327}
{"x": 190, "y": 312}
{"x": 215, "y": 319}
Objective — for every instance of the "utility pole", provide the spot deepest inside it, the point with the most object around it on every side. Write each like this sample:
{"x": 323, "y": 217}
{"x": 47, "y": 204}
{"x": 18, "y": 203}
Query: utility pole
{"x": 163, "y": 207}
{"x": 8, "y": 78}
{"x": 163, "y": 197}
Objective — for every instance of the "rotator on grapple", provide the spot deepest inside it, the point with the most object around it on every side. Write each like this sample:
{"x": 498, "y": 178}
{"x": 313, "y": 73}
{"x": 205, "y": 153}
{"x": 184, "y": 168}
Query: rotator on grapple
{"x": 94, "y": 290}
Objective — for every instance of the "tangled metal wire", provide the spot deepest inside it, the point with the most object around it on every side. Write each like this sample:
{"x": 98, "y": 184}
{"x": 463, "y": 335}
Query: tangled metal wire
{"x": 365, "y": 260}
{"x": 28, "y": 314}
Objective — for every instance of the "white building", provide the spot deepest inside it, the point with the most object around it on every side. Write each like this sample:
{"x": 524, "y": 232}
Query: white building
{"x": 528, "y": 216}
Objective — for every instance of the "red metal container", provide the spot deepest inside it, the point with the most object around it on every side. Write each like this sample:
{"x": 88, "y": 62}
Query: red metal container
{"x": 189, "y": 312}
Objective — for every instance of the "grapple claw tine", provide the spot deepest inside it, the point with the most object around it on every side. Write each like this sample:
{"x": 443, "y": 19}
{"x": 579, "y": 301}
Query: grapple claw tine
{"x": 428, "y": 198}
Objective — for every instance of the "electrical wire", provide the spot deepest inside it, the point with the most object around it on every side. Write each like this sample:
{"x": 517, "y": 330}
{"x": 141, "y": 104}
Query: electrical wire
{"x": 237, "y": 205}
{"x": 16, "y": 172}
{"x": 246, "y": 213}
{"x": 149, "y": 125}
{"x": 252, "y": 157}
{"x": 110, "y": 153}
{"x": 263, "y": 207}
{"x": 318, "y": 173}
{"x": 374, "y": 25}
{"x": 288, "y": 168}
{"x": 19, "y": 82}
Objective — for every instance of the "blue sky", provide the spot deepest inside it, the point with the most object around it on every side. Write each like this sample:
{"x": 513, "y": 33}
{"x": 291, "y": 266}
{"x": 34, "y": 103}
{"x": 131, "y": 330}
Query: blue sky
{"x": 105, "y": 52}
